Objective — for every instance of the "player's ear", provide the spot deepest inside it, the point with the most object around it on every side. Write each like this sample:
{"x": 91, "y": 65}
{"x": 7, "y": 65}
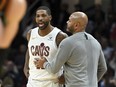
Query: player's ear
{"x": 50, "y": 17}
{"x": 35, "y": 19}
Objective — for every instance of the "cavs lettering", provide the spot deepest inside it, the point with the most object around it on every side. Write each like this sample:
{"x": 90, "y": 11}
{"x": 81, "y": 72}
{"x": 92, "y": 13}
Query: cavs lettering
{"x": 40, "y": 50}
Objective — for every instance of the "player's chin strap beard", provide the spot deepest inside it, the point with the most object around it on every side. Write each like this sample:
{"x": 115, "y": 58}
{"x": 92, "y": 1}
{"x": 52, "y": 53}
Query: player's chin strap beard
{"x": 41, "y": 28}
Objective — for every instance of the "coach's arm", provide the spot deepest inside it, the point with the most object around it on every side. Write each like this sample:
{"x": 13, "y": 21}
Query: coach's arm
{"x": 102, "y": 67}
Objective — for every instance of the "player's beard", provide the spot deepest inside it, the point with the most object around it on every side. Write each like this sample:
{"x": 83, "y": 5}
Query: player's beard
{"x": 44, "y": 26}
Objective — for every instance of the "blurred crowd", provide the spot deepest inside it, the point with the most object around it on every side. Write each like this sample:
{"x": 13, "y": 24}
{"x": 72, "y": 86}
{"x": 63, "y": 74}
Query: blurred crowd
{"x": 102, "y": 25}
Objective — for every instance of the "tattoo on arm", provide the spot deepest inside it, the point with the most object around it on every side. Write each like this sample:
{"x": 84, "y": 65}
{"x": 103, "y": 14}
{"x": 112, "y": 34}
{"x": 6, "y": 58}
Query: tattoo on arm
{"x": 60, "y": 37}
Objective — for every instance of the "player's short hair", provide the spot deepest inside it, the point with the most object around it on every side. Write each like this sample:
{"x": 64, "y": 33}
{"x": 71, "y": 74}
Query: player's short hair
{"x": 44, "y": 8}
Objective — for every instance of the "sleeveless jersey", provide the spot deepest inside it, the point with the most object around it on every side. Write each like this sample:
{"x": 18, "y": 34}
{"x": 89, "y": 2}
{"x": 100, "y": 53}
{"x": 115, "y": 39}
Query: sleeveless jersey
{"x": 42, "y": 46}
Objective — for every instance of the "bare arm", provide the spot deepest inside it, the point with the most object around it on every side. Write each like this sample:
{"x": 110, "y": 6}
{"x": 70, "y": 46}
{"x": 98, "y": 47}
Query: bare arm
{"x": 26, "y": 65}
{"x": 60, "y": 37}
{"x": 14, "y": 13}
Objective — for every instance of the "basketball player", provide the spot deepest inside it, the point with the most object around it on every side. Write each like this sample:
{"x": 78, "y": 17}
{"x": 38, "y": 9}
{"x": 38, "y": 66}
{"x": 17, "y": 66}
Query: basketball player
{"x": 81, "y": 54}
{"x": 43, "y": 41}
{"x": 11, "y": 13}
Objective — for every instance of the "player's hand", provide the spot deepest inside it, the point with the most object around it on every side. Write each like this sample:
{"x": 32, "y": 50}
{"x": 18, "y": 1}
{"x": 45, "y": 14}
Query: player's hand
{"x": 61, "y": 79}
{"x": 39, "y": 62}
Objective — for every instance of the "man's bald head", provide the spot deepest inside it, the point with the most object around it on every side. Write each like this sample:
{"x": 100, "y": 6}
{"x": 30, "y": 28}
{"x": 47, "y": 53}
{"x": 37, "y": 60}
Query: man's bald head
{"x": 81, "y": 18}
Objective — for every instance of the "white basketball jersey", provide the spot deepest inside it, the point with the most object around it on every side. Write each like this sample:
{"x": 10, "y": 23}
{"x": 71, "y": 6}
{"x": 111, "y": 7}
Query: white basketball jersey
{"x": 42, "y": 46}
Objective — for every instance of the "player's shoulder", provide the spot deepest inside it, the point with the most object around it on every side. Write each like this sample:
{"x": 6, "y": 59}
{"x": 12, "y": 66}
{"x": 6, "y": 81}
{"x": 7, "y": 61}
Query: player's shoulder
{"x": 28, "y": 34}
{"x": 61, "y": 35}
{"x": 32, "y": 30}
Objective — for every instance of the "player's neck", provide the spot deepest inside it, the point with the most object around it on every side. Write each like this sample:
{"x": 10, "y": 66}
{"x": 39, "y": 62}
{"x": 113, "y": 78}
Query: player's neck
{"x": 46, "y": 31}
